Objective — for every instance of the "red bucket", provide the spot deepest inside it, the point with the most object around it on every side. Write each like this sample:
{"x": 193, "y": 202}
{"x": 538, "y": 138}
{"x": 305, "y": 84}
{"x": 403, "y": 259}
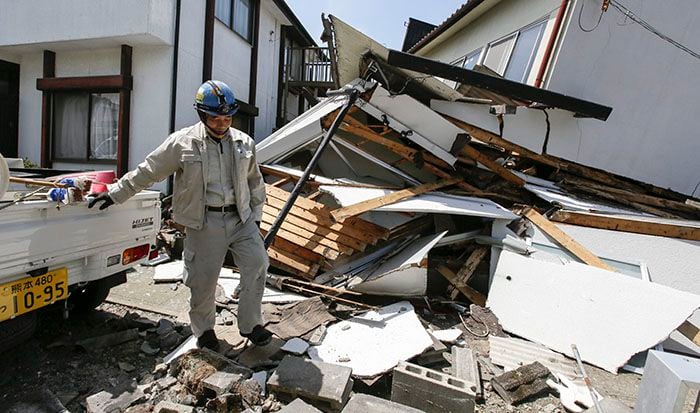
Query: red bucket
{"x": 100, "y": 181}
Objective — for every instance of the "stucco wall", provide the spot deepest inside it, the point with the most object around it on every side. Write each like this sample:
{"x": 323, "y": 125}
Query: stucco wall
{"x": 652, "y": 132}
{"x": 268, "y": 73}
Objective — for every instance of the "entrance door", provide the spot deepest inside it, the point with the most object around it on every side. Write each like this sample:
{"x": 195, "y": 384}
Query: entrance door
{"x": 9, "y": 108}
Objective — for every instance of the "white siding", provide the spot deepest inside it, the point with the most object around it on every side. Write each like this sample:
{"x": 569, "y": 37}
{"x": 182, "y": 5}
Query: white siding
{"x": 268, "y": 73}
{"x": 231, "y": 60}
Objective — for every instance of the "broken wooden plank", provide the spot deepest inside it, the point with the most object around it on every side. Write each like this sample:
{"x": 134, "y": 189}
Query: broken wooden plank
{"x": 314, "y": 246}
{"x": 322, "y": 213}
{"x": 308, "y": 235}
{"x": 291, "y": 262}
{"x": 690, "y": 331}
{"x": 370, "y": 204}
{"x": 465, "y": 273}
{"x": 473, "y": 295}
{"x": 493, "y": 166}
{"x": 334, "y": 235}
{"x": 628, "y": 224}
{"x": 522, "y": 383}
{"x": 558, "y": 163}
{"x": 565, "y": 240}
{"x": 313, "y": 219}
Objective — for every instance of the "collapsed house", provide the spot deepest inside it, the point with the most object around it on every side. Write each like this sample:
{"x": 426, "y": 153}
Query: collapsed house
{"x": 390, "y": 202}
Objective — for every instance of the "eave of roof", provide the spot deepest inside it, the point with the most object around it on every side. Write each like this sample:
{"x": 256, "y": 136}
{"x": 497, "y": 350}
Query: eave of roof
{"x": 465, "y": 9}
{"x": 284, "y": 7}
{"x": 504, "y": 87}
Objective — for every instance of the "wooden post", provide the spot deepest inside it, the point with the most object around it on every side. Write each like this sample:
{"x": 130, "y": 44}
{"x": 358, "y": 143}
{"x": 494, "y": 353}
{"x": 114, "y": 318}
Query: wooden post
{"x": 370, "y": 204}
{"x": 473, "y": 295}
{"x": 565, "y": 240}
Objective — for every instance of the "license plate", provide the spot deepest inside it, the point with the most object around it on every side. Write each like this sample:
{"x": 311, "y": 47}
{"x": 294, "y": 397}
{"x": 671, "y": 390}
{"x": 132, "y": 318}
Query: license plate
{"x": 31, "y": 293}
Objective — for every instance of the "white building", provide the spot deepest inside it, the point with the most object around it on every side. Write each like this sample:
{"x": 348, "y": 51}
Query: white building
{"x": 98, "y": 84}
{"x": 652, "y": 133}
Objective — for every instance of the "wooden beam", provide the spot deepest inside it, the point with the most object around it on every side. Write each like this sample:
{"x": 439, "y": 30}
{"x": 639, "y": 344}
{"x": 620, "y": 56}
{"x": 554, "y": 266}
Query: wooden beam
{"x": 473, "y": 295}
{"x": 552, "y": 161}
{"x": 49, "y": 71}
{"x": 88, "y": 83}
{"x": 370, "y": 204}
{"x": 565, "y": 240}
{"x": 314, "y": 246}
{"x": 465, "y": 273}
{"x": 319, "y": 230}
{"x": 322, "y": 212}
{"x": 300, "y": 213}
{"x": 691, "y": 332}
{"x": 637, "y": 226}
{"x": 573, "y": 182}
{"x": 493, "y": 166}
{"x": 309, "y": 235}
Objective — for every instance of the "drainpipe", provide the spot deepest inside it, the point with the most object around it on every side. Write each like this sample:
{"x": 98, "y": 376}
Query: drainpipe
{"x": 550, "y": 43}
{"x": 173, "y": 83}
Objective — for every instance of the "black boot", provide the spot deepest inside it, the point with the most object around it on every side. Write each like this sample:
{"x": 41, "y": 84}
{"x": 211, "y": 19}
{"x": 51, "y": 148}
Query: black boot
{"x": 208, "y": 340}
{"x": 259, "y": 336}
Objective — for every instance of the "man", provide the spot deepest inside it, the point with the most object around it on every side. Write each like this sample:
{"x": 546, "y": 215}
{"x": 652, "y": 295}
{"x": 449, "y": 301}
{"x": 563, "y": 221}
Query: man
{"x": 218, "y": 196}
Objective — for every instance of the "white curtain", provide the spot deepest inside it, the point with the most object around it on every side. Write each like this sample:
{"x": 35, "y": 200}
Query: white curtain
{"x": 104, "y": 126}
{"x": 71, "y": 117}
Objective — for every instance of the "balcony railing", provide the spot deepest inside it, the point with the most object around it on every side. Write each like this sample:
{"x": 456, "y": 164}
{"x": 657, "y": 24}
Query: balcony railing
{"x": 308, "y": 67}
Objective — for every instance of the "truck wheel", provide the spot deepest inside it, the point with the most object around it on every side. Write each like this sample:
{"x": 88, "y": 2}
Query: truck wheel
{"x": 89, "y": 296}
{"x": 17, "y": 330}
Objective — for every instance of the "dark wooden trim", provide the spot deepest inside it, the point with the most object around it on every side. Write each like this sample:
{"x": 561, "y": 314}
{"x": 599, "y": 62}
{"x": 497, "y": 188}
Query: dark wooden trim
{"x": 254, "y": 61}
{"x": 124, "y": 113}
{"x": 49, "y": 71}
{"x": 208, "y": 54}
{"x": 112, "y": 83}
{"x": 279, "y": 122}
{"x": 10, "y": 146}
{"x": 247, "y": 108}
{"x": 49, "y": 64}
{"x": 505, "y": 87}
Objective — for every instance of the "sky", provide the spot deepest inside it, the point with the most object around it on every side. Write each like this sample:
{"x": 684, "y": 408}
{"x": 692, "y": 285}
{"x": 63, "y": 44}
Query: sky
{"x": 382, "y": 20}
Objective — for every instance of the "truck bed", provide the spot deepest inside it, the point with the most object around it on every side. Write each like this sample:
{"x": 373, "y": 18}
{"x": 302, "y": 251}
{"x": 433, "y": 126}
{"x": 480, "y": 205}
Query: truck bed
{"x": 35, "y": 235}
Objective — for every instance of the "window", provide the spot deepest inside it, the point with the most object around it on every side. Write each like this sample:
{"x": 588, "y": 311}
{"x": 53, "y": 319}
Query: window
{"x": 523, "y": 54}
{"x": 237, "y": 15}
{"x": 86, "y": 126}
{"x": 498, "y": 54}
{"x": 471, "y": 59}
{"x": 513, "y": 56}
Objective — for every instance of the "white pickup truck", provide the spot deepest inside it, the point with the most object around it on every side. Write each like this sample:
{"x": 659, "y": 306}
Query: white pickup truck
{"x": 49, "y": 254}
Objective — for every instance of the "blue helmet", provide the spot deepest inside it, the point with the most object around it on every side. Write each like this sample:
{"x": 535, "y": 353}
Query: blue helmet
{"x": 215, "y": 98}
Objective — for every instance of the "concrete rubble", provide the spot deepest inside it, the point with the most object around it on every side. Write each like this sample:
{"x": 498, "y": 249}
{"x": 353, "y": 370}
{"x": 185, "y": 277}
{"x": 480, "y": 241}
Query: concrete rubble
{"x": 420, "y": 245}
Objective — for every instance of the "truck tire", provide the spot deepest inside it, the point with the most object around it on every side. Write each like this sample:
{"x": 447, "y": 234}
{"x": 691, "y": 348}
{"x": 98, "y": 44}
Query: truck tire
{"x": 94, "y": 293}
{"x": 17, "y": 330}
{"x": 89, "y": 296}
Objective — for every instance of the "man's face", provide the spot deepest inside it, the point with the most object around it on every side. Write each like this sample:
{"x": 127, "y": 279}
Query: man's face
{"x": 219, "y": 124}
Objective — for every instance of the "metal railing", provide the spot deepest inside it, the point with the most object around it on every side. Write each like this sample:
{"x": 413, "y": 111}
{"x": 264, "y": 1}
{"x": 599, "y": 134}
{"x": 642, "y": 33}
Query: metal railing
{"x": 308, "y": 66}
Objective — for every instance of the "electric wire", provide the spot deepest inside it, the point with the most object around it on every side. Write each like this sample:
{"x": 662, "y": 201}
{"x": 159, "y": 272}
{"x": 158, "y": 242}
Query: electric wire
{"x": 629, "y": 14}
{"x": 644, "y": 24}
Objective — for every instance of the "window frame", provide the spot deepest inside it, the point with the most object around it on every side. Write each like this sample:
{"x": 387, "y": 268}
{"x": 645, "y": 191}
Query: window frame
{"x": 480, "y": 55}
{"x": 52, "y": 139}
{"x": 509, "y": 53}
{"x": 230, "y": 22}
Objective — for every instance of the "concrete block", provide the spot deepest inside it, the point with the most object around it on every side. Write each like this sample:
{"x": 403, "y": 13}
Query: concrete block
{"x": 170, "y": 407}
{"x": 430, "y": 390}
{"x": 323, "y": 384}
{"x": 221, "y": 381}
{"x": 298, "y": 406}
{"x": 364, "y": 403}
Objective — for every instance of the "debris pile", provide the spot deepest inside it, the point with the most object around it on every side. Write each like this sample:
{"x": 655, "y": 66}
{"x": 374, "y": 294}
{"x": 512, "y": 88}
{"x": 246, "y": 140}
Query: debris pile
{"x": 448, "y": 267}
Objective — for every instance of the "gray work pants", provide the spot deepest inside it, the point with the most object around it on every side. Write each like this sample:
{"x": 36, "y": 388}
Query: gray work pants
{"x": 204, "y": 255}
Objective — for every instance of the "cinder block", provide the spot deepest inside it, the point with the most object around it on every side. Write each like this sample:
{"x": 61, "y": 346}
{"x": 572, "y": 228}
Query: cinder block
{"x": 430, "y": 390}
{"x": 364, "y": 403}
{"x": 221, "y": 381}
{"x": 298, "y": 406}
{"x": 322, "y": 384}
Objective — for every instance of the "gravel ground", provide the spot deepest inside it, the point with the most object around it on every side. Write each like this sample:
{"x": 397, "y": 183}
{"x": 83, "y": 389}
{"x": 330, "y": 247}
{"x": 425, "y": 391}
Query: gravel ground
{"x": 52, "y": 363}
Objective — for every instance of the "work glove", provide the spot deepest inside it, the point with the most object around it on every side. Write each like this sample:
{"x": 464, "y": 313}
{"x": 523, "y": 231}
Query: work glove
{"x": 101, "y": 197}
